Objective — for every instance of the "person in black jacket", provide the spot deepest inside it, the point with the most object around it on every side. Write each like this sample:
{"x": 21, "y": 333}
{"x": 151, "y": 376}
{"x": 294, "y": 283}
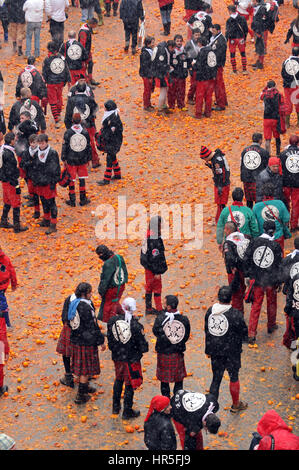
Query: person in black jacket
{"x": 2, "y": 118}
{"x": 292, "y": 304}
{"x": 45, "y": 176}
{"x": 274, "y": 121}
{"x": 161, "y": 59}
{"x": 4, "y": 21}
{"x": 127, "y": 343}
{"x": 159, "y": 432}
{"x": 16, "y": 20}
{"x": 192, "y": 49}
{"x": 293, "y": 31}
{"x": 30, "y": 77}
{"x": 259, "y": 27}
{"x": 290, "y": 173}
{"x": 290, "y": 76}
{"x": 130, "y": 12}
{"x": 26, "y": 104}
{"x": 177, "y": 87}
{"x": 9, "y": 176}
{"x": 254, "y": 159}
{"x": 262, "y": 264}
{"x": 85, "y": 38}
{"x": 76, "y": 153}
{"x": 85, "y": 338}
{"x": 236, "y": 34}
{"x": 219, "y": 46}
{"x": 290, "y": 271}
{"x": 109, "y": 140}
{"x": 75, "y": 56}
{"x": 26, "y": 166}
{"x": 201, "y": 20}
{"x": 172, "y": 330}
{"x": 152, "y": 258}
{"x": 146, "y": 73}
{"x": 225, "y": 330}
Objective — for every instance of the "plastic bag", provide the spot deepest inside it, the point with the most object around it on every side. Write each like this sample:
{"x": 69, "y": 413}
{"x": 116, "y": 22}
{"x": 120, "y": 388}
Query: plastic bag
{"x": 141, "y": 34}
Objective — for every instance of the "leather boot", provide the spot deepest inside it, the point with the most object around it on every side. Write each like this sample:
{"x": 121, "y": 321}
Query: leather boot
{"x": 51, "y": 229}
{"x": 82, "y": 395}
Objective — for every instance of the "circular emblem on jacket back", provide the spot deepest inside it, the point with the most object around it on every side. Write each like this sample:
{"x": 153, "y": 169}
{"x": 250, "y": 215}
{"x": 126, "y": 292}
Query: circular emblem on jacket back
{"x": 291, "y": 67}
{"x": 217, "y": 324}
{"x": 57, "y": 65}
{"x": 75, "y": 322}
{"x": 252, "y": 160}
{"x": 199, "y": 25}
{"x": 263, "y": 257}
{"x": 239, "y": 218}
{"x": 292, "y": 163}
{"x": 211, "y": 59}
{"x": 296, "y": 289}
{"x": 31, "y": 109}
{"x": 26, "y": 79}
{"x": 293, "y": 271}
{"x": 78, "y": 142}
{"x": 174, "y": 331}
{"x": 74, "y": 52}
{"x": 242, "y": 247}
{"x": 84, "y": 114}
{"x": 193, "y": 401}
{"x": 269, "y": 212}
{"x": 121, "y": 331}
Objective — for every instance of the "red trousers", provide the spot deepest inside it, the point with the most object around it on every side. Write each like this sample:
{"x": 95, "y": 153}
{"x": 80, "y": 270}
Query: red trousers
{"x": 94, "y": 155}
{"x": 147, "y": 91}
{"x": 110, "y": 307}
{"x": 181, "y": 430}
{"x": 221, "y": 200}
{"x": 55, "y": 99}
{"x": 176, "y": 93}
{"x": 292, "y": 198}
{"x": 238, "y": 297}
{"x": 258, "y": 297}
{"x": 9, "y": 195}
{"x": 291, "y": 97}
{"x": 4, "y": 348}
{"x": 204, "y": 93}
{"x": 75, "y": 75}
{"x": 192, "y": 89}
{"x": 154, "y": 286}
{"x": 220, "y": 92}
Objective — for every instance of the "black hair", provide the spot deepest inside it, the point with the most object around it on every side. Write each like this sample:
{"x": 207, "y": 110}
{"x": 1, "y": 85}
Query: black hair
{"x": 232, "y": 8}
{"x": 170, "y": 43}
{"x": 83, "y": 289}
{"x": 42, "y": 138}
{"x": 257, "y": 136}
{"x": 9, "y": 137}
{"x": 268, "y": 189}
{"x": 53, "y": 46}
{"x": 92, "y": 21}
{"x": 32, "y": 138}
{"x": 178, "y": 36}
{"x": 216, "y": 26}
{"x": 271, "y": 84}
{"x": 238, "y": 194}
{"x": 213, "y": 423}
{"x": 295, "y": 51}
{"x": 202, "y": 41}
{"x": 172, "y": 301}
{"x": 269, "y": 227}
{"x": 31, "y": 60}
{"x": 26, "y": 114}
{"x": 81, "y": 87}
{"x": 225, "y": 294}
{"x": 148, "y": 40}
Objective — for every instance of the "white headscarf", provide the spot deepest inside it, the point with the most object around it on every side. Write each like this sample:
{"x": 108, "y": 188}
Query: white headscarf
{"x": 129, "y": 306}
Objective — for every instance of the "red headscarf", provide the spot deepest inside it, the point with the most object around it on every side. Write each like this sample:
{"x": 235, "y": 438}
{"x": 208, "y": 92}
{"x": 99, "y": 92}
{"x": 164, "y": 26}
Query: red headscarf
{"x": 158, "y": 403}
{"x": 275, "y": 161}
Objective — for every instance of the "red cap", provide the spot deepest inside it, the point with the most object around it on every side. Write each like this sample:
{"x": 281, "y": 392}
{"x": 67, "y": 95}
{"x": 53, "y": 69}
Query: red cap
{"x": 158, "y": 403}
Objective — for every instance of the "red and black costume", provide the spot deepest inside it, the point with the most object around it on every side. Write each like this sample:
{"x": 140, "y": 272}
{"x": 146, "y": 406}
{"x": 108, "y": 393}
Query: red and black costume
{"x": 290, "y": 270}
{"x": 290, "y": 173}
{"x": 7, "y": 276}
{"x": 179, "y": 73}
{"x": 192, "y": 7}
{"x": 290, "y": 77}
{"x": 172, "y": 331}
{"x": 293, "y": 31}
{"x": 64, "y": 346}
{"x": 127, "y": 344}
{"x": 86, "y": 106}
{"x": 146, "y": 73}
{"x": 259, "y": 27}
{"x": 26, "y": 166}
{"x": 35, "y": 110}
{"x": 206, "y": 72}
{"x": 30, "y": 77}
{"x": 4, "y": 352}
{"x": 236, "y": 34}
{"x": 254, "y": 159}
{"x": 76, "y": 153}
{"x": 218, "y": 44}
{"x": 202, "y": 21}
{"x": 76, "y": 57}
{"x": 192, "y": 49}
{"x": 161, "y": 64}
{"x": 56, "y": 75}
{"x": 274, "y": 115}
{"x": 85, "y": 38}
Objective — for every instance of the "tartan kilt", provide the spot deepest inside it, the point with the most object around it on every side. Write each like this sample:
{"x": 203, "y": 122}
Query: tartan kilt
{"x": 171, "y": 367}
{"x": 122, "y": 372}
{"x": 250, "y": 191}
{"x": 85, "y": 360}
{"x": 64, "y": 345}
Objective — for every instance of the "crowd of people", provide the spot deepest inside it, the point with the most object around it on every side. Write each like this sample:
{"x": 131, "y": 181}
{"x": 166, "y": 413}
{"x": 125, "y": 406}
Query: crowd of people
{"x": 250, "y": 237}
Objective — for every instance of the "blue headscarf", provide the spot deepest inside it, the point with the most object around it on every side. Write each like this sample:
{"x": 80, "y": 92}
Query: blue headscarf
{"x": 72, "y": 308}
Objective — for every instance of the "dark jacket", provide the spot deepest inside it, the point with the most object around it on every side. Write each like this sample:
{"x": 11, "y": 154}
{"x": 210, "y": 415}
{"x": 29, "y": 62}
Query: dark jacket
{"x": 161, "y": 61}
{"x": 55, "y": 70}
{"x": 9, "y": 172}
{"x": 126, "y": 341}
{"x": 220, "y": 169}
{"x": 289, "y": 78}
{"x": 292, "y": 299}
{"x": 26, "y": 163}
{"x": 34, "y": 109}
{"x": 206, "y": 64}
{"x": 24, "y": 130}
{"x": 236, "y": 28}
{"x": 293, "y": 31}
{"x": 130, "y": 11}
{"x": 2, "y": 123}
{"x": 159, "y": 433}
{"x": 290, "y": 268}
{"x": 254, "y": 159}
{"x": 267, "y": 176}
{"x": 15, "y": 11}
{"x": 145, "y": 69}
{"x": 290, "y": 166}
{"x": 75, "y": 54}
{"x": 233, "y": 252}
{"x": 219, "y": 46}
{"x": 85, "y": 37}
{"x": 87, "y": 3}
{"x": 202, "y": 21}
{"x": 112, "y": 138}
{"x": 31, "y": 78}
{"x": 263, "y": 262}
{"x": 88, "y": 332}
{"x": 83, "y": 104}
{"x": 194, "y": 4}
{"x": 171, "y": 337}
{"x": 47, "y": 173}
{"x": 179, "y": 63}
{"x": 110, "y": 277}
{"x": 259, "y": 21}
{"x": 152, "y": 256}
{"x": 272, "y": 103}
{"x": 225, "y": 329}
{"x": 76, "y": 148}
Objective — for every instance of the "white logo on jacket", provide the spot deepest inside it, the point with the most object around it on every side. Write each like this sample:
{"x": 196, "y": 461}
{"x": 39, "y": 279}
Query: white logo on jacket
{"x": 193, "y": 401}
{"x": 74, "y": 52}
{"x": 293, "y": 271}
{"x": 211, "y": 59}
{"x": 267, "y": 213}
{"x": 292, "y": 163}
{"x": 263, "y": 257}
{"x": 57, "y": 65}
{"x": 174, "y": 331}
{"x": 84, "y": 115}
{"x": 121, "y": 331}
{"x": 75, "y": 322}
{"x": 252, "y": 160}
{"x": 78, "y": 142}
{"x": 26, "y": 79}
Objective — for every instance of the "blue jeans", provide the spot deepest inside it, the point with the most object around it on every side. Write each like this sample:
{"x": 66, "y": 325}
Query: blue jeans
{"x": 87, "y": 13}
{"x": 33, "y": 28}
{"x": 166, "y": 13}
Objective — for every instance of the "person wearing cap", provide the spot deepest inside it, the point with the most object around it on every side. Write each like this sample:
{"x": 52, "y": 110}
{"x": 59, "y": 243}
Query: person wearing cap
{"x": 81, "y": 81}
{"x": 85, "y": 38}
{"x": 225, "y": 330}
{"x": 271, "y": 174}
{"x": 114, "y": 277}
{"x": 290, "y": 77}
{"x": 274, "y": 118}
{"x": 75, "y": 56}
{"x": 236, "y": 31}
{"x": 263, "y": 265}
{"x": 56, "y": 74}
{"x": 273, "y": 209}
{"x": 7, "y": 442}
{"x": 109, "y": 140}
{"x": 240, "y": 214}
{"x": 76, "y": 154}
{"x": 127, "y": 344}
{"x": 254, "y": 159}
{"x": 221, "y": 176}
{"x": 192, "y": 49}
{"x": 30, "y": 77}
{"x": 290, "y": 172}
{"x": 152, "y": 258}
{"x": 172, "y": 330}
{"x": 219, "y": 46}
{"x": 159, "y": 432}
{"x": 192, "y": 412}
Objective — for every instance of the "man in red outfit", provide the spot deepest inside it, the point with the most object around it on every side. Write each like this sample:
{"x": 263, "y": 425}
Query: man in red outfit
{"x": 274, "y": 434}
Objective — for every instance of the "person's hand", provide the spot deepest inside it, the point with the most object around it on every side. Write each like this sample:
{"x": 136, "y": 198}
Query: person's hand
{"x": 103, "y": 347}
{"x": 286, "y": 41}
{"x": 279, "y": 287}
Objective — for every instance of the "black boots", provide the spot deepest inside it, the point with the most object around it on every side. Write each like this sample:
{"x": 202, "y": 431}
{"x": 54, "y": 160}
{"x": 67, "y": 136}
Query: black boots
{"x": 16, "y": 221}
{"x": 82, "y": 394}
{"x": 115, "y": 7}
{"x": 107, "y": 8}
{"x": 52, "y": 229}
{"x": 166, "y": 27}
{"x": 83, "y": 199}
{"x": 68, "y": 380}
